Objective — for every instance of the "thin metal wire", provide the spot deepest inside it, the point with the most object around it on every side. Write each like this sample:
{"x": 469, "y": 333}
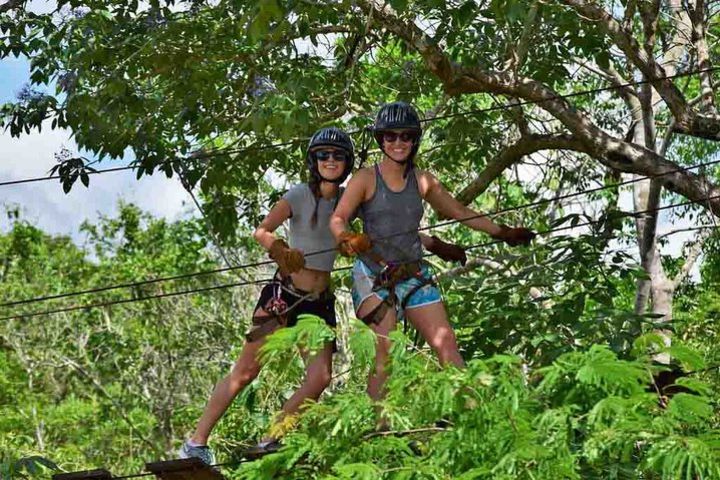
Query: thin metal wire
{"x": 434, "y": 119}
{"x": 319, "y": 252}
{"x": 252, "y": 282}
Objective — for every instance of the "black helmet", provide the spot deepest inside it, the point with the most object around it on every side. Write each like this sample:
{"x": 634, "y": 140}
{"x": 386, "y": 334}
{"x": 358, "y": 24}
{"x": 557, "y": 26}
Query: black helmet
{"x": 396, "y": 116}
{"x": 331, "y": 137}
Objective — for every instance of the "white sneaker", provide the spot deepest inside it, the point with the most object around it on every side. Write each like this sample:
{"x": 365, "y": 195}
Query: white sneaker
{"x": 202, "y": 452}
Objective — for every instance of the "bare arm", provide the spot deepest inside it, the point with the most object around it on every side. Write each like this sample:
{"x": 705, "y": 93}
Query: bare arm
{"x": 278, "y": 214}
{"x": 349, "y": 202}
{"x": 442, "y": 202}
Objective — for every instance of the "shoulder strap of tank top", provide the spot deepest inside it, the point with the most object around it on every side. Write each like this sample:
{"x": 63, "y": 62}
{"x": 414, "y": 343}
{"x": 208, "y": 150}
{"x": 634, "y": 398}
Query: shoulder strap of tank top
{"x": 412, "y": 182}
{"x": 379, "y": 179}
{"x": 413, "y": 177}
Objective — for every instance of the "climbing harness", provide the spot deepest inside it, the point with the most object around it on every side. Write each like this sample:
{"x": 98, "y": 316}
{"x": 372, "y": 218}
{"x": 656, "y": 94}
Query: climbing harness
{"x": 387, "y": 278}
{"x": 276, "y": 305}
{"x": 278, "y": 308}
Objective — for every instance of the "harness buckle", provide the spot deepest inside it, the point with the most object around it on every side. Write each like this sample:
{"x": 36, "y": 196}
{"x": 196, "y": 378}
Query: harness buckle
{"x": 386, "y": 276}
{"x": 276, "y": 306}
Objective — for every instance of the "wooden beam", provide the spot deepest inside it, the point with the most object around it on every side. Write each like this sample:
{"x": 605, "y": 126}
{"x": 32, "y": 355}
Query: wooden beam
{"x": 184, "y": 469}
{"x": 99, "y": 474}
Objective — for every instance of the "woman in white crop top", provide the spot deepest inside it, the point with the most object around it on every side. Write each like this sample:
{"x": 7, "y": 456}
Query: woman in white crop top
{"x": 301, "y": 284}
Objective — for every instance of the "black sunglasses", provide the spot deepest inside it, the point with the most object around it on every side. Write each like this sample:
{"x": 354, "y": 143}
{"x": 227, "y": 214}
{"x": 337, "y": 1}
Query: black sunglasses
{"x": 390, "y": 137}
{"x": 324, "y": 155}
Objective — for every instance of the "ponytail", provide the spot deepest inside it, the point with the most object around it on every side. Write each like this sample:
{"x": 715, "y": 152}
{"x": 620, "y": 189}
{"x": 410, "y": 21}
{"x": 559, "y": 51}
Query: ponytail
{"x": 314, "y": 185}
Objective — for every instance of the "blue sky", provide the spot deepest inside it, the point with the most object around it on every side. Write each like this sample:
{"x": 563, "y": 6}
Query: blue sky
{"x": 44, "y": 203}
{"x": 13, "y": 74}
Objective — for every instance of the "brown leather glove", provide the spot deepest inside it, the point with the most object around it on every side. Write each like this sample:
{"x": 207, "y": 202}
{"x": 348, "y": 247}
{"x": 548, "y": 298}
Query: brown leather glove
{"x": 350, "y": 243}
{"x": 290, "y": 260}
{"x": 447, "y": 251}
{"x": 515, "y": 236}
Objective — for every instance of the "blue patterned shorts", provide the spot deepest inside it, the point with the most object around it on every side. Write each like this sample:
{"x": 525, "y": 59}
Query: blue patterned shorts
{"x": 363, "y": 279}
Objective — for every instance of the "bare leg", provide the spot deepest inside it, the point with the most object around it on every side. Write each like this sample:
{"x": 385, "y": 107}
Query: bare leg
{"x": 317, "y": 378}
{"x": 378, "y": 375}
{"x": 432, "y": 323}
{"x": 245, "y": 370}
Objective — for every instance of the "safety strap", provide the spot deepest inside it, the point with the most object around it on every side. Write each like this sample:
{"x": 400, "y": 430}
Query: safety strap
{"x": 423, "y": 281}
{"x": 388, "y": 278}
{"x": 365, "y": 139}
{"x": 376, "y": 315}
{"x": 278, "y": 309}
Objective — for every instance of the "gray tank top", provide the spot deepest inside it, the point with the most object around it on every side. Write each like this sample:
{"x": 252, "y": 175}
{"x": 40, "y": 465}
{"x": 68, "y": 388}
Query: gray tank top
{"x": 389, "y": 213}
{"x": 302, "y": 235}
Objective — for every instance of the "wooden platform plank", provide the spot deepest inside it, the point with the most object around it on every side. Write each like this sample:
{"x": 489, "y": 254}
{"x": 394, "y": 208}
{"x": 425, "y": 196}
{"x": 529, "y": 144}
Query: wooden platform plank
{"x": 99, "y": 474}
{"x": 184, "y": 469}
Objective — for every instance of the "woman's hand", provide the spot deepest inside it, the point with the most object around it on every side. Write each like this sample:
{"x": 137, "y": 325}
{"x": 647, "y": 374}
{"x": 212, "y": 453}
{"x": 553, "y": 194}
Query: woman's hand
{"x": 350, "y": 243}
{"x": 514, "y": 236}
{"x": 289, "y": 260}
{"x": 449, "y": 252}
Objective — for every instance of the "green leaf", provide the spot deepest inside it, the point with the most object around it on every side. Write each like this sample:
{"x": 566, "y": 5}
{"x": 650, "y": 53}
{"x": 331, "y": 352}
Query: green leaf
{"x": 690, "y": 359}
{"x": 398, "y": 5}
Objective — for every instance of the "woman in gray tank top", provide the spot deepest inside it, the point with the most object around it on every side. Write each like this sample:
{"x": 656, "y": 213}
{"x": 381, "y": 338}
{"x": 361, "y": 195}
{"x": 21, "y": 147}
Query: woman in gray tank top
{"x": 301, "y": 286}
{"x": 389, "y": 278}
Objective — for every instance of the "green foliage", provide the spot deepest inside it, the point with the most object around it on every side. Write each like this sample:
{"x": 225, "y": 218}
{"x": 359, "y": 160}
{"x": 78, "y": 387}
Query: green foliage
{"x": 310, "y": 335}
{"x": 577, "y": 300}
{"x": 548, "y": 397}
{"x": 558, "y": 365}
{"x": 231, "y": 78}
{"x": 22, "y": 468}
{"x": 130, "y": 376}
{"x": 588, "y": 415}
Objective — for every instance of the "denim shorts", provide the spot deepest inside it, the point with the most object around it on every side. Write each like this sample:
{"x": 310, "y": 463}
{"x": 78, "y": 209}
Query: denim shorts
{"x": 363, "y": 279}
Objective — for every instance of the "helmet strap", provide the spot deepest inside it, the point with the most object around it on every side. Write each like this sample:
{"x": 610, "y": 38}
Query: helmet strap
{"x": 337, "y": 181}
{"x": 401, "y": 162}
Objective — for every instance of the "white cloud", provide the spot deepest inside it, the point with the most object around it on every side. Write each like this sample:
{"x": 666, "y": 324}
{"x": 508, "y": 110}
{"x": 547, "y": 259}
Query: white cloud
{"x": 45, "y": 204}
{"x": 42, "y": 6}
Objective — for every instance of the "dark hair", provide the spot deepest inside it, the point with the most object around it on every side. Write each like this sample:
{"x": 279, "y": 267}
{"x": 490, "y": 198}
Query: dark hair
{"x": 314, "y": 185}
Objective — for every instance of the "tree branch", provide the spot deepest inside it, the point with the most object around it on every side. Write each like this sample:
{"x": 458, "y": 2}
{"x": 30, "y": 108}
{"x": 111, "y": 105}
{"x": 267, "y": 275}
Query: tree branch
{"x": 513, "y": 153}
{"x": 402, "y": 433}
{"x": 11, "y": 5}
{"x": 636, "y": 54}
{"x": 681, "y": 39}
{"x": 697, "y": 17}
{"x": 691, "y": 257}
{"x": 612, "y": 152}
{"x": 687, "y": 229}
{"x": 688, "y": 121}
{"x": 498, "y": 267}
{"x": 121, "y": 411}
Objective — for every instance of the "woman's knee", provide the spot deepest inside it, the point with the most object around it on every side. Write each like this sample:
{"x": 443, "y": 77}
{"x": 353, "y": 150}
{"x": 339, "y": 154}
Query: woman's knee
{"x": 368, "y": 310}
{"x": 319, "y": 381}
{"x": 243, "y": 374}
{"x": 443, "y": 341}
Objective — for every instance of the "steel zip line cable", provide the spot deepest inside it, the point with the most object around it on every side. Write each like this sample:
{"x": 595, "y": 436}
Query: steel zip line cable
{"x": 267, "y": 262}
{"x": 253, "y": 282}
{"x": 214, "y": 153}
